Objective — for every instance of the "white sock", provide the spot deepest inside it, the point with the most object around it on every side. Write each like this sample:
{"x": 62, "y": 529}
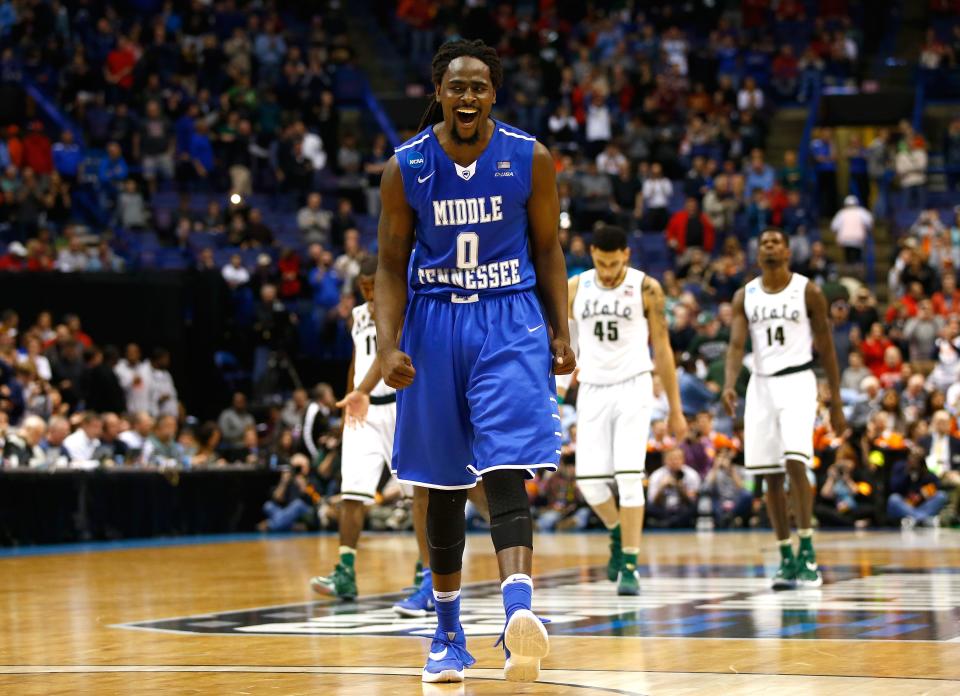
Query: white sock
{"x": 518, "y": 577}
{"x": 439, "y": 596}
{"x": 805, "y": 533}
{"x": 784, "y": 542}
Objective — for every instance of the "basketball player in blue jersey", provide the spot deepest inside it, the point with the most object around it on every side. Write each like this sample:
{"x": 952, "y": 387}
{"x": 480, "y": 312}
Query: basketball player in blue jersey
{"x": 482, "y": 335}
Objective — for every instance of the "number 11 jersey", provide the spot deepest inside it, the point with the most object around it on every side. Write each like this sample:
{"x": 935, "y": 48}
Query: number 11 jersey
{"x": 471, "y": 222}
{"x": 779, "y": 326}
{"x": 612, "y": 331}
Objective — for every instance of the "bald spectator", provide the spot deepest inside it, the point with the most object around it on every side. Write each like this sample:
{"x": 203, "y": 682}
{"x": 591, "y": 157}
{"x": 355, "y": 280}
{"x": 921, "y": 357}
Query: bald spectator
{"x": 135, "y": 439}
{"x": 942, "y": 450}
{"x": 22, "y": 448}
{"x": 53, "y": 447}
{"x": 673, "y": 492}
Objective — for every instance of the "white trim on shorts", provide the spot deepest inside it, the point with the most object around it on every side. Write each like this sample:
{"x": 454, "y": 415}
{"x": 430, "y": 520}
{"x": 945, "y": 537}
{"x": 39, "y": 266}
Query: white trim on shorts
{"x": 437, "y": 485}
{"x": 513, "y": 467}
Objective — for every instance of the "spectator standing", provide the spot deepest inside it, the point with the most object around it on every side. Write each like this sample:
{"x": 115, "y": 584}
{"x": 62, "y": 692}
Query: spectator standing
{"x": 67, "y": 156}
{"x": 852, "y": 224}
{"x": 656, "y": 194}
{"x": 911, "y": 167}
{"x": 235, "y": 274}
{"x": 347, "y": 265}
{"x": 825, "y": 165}
{"x": 690, "y": 229}
{"x": 314, "y": 222}
{"x": 163, "y": 392}
{"x": 921, "y": 333}
{"x": 134, "y": 375}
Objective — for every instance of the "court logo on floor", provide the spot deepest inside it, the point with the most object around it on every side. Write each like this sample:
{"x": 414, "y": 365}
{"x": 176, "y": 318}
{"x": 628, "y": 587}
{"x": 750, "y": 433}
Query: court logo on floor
{"x": 681, "y": 601}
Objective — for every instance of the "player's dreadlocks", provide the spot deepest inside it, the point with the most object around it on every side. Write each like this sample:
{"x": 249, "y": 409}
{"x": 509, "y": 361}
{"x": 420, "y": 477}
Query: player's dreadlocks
{"x": 450, "y": 51}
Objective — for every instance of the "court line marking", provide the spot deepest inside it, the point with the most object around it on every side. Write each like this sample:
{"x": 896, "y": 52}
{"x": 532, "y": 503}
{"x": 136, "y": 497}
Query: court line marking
{"x": 132, "y": 625}
{"x": 476, "y": 673}
{"x": 481, "y": 674}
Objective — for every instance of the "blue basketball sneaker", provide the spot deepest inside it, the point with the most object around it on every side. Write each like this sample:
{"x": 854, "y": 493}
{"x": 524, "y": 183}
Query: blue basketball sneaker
{"x": 419, "y": 603}
{"x": 448, "y": 657}
{"x": 525, "y": 643}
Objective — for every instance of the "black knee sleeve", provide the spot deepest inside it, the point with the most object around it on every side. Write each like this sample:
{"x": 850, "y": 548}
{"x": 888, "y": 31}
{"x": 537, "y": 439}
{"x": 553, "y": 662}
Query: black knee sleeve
{"x": 510, "y": 523}
{"x": 446, "y": 530}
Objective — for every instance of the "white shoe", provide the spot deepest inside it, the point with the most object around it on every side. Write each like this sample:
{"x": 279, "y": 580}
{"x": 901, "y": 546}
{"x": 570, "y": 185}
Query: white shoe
{"x": 527, "y": 643}
{"x": 908, "y": 523}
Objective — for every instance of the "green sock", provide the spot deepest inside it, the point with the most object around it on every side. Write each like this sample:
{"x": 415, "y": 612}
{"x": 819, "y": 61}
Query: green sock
{"x": 786, "y": 550}
{"x": 615, "y": 533}
{"x": 347, "y": 556}
{"x": 806, "y": 541}
{"x": 630, "y": 560}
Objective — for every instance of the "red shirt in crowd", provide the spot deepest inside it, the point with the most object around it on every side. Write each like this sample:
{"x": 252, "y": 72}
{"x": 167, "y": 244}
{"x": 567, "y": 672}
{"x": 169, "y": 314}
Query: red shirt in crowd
{"x": 873, "y": 350}
{"x": 15, "y": 147}
{"x": 677, "y": 231}
{"x": 946, "y": 304}
{"x": 909, "y": 305}
{"x": 120, "y": 61}
{"x": 38, "y": 152}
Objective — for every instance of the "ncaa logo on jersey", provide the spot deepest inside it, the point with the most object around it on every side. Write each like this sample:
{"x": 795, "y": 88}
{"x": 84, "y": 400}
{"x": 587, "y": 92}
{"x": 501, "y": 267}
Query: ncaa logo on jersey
{"x": 415, "y": 160}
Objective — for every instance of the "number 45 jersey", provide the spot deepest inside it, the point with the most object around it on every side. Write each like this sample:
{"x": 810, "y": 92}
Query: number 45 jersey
{"x": 612, "y": 331}
{"x": 471, "y": 222}
{"x": 779, "y": 326}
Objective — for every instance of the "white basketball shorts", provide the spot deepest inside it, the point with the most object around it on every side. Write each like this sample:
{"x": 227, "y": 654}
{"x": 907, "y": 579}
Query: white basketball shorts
{"x": 613, "y": 425}
{"x": 778, "y": 421}
{"x": 366, "y": 450}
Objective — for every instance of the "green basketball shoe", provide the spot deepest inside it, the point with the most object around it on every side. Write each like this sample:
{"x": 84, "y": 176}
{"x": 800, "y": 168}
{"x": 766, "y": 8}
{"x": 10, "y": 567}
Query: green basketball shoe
{"x": 807, "y": 573}
{"x": 786, "y": 576}
{"x": 616, "y": 555}
{"x": 629, "y": 584}
{"x": 341, "y": 583}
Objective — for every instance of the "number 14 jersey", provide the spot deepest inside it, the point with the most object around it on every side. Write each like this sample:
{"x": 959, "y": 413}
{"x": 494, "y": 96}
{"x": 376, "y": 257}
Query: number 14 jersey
{"x": 779, "y": 326}
{"x": 612, "y": 331}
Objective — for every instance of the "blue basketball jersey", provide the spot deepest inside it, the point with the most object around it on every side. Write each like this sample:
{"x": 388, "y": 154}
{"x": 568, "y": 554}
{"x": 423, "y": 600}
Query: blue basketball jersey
{"x": 471, "y": 222}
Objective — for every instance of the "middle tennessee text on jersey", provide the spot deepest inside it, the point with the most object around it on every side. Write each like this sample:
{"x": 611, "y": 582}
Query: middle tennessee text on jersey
{"x": 471, "y": 222}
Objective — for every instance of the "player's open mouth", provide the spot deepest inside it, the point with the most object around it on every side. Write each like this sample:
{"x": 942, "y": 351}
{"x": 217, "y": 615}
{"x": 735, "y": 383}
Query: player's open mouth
{"x": 467, "y": 117}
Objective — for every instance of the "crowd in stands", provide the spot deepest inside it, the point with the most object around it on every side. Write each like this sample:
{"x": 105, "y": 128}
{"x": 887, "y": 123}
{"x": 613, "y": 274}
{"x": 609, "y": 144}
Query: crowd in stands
{"x": 206, "y": 137}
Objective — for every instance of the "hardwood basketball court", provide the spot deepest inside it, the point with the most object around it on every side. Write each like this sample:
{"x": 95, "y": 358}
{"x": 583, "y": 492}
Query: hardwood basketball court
{"x": 238, "y": 617}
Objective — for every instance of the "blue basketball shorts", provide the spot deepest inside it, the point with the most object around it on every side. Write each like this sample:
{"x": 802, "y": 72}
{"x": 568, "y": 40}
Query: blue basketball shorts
{"x": 484, "y": 396}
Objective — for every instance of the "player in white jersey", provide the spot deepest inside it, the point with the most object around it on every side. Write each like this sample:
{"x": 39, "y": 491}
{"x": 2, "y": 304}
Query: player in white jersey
{"x": 370, "y": 418}
{"x": 370, "y": 415}
{"x": 785, "y": 315}
{"x": 617, "y": 314}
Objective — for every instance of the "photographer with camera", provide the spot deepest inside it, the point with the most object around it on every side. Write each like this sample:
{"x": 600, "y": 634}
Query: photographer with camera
{"x": 845, "y": 498}
{"x": 672, "y": 493}
{"x": 292, "y": 502}
{"x": 732, "y": 502}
